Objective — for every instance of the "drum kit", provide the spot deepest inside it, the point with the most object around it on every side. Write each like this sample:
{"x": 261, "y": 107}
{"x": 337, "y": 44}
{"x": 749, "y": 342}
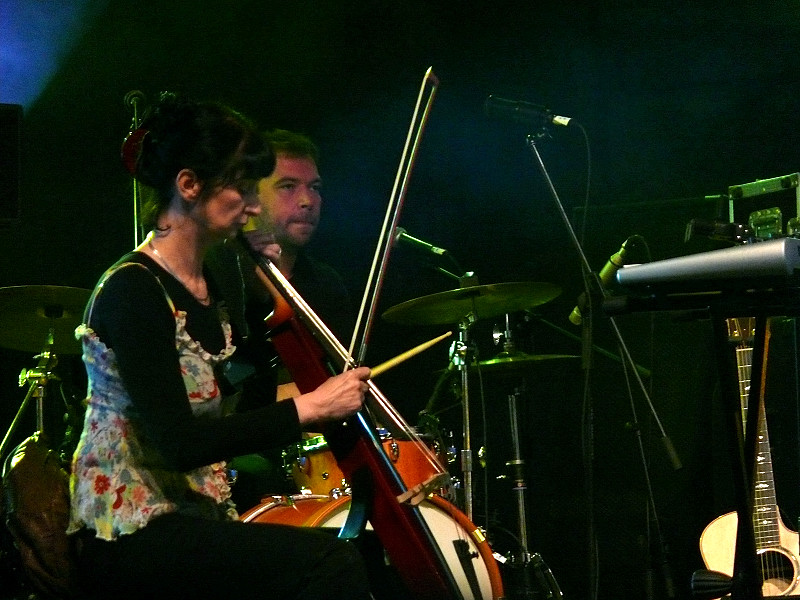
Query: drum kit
{"x": 324, "y": 490}
{"x": 42, "y": 320}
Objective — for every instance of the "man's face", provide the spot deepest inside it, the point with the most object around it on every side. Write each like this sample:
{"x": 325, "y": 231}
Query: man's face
{"x": 290, "y": 200}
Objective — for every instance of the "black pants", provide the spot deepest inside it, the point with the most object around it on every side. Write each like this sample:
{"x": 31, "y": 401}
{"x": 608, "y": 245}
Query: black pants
{"x": 177, "y": 556}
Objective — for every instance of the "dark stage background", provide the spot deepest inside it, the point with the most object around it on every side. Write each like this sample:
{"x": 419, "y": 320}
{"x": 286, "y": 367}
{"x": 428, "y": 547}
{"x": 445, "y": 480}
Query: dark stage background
{"x": 679, "y": 101}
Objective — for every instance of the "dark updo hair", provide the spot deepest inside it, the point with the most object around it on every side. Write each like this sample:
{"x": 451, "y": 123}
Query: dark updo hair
{"x": 221, "y": 146}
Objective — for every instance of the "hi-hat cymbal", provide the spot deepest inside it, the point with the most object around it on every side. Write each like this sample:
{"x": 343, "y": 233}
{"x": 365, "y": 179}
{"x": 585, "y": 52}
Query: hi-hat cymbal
{"x": 29, "y": 312}
{"x": 512, "y": 361}
{"x": 480, "y": 302}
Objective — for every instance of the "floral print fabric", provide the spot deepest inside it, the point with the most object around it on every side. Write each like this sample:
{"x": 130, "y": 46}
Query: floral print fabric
{"x": 116, "y": 485}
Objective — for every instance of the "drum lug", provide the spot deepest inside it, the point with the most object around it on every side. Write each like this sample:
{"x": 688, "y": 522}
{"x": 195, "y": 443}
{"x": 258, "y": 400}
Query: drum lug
{"x": 302, "y": 464}
{"x": 394, "y": 450}
{"x": 338, "y": 492}
{"x": 233, "y": 475}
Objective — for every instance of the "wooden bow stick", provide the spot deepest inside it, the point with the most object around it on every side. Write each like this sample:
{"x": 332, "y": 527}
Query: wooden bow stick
{"x": 392, "y": 362}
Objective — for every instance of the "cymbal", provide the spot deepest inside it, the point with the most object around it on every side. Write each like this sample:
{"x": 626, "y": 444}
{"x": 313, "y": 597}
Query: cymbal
{"x": 506, "y": 361}
{"x": 29, "y": 312}
{"x": 480, "y": 301}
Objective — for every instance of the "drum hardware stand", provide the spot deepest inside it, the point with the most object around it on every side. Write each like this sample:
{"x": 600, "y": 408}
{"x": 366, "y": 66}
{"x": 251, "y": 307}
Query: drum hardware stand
{"x": 37, "y": 378}
{"x": 653, "y": 518}
{"x": 523, "y": 560}
{"x": 461, "y": 357}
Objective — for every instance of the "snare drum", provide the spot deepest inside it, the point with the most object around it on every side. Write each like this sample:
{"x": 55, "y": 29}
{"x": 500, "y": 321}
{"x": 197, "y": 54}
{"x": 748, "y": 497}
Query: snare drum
{"x": 447, "y": 524}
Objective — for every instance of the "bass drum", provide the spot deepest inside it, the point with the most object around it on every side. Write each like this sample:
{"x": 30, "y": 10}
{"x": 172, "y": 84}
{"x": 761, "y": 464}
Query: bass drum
{"x": 454, "y": 533}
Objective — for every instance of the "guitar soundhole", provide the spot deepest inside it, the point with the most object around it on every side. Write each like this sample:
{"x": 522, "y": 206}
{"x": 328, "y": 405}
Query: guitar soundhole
{"x": 777, "y": 572}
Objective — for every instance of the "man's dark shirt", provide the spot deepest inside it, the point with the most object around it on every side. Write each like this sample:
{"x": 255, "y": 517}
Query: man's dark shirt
{"x": 249, "y": 303}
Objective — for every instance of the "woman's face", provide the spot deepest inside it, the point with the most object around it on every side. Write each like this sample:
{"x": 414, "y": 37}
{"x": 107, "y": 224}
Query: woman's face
{"x": 228, "y": 208}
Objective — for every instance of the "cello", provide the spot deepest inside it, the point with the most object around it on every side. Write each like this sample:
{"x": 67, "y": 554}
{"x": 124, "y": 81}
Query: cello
{"x": 453, "y": 568}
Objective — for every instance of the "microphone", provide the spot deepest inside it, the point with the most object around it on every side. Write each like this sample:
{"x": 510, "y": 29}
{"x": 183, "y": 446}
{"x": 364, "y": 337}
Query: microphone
{"x": 401, "y": 236}
{"x": 606, "y": 277}
{"x": 522, "y": 112}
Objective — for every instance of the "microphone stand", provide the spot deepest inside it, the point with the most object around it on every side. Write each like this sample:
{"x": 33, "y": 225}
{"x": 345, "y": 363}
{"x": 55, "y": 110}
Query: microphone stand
{"x": 132, "y": 100}
{"x": 644, "y": 371}
{"x": 593, "y": 281}
{"x": 603, "y": 293}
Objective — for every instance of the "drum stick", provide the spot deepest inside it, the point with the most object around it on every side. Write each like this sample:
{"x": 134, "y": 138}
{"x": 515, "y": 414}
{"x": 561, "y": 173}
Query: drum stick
{"x": 392, "y": 362}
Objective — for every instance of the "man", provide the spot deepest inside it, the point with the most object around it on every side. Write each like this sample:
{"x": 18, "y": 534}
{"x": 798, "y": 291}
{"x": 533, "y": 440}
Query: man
{"x": 291, "y": 204}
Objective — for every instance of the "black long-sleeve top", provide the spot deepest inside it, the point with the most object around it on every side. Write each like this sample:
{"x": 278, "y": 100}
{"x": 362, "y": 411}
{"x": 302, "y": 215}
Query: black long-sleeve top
{"x": 132, "y": 317}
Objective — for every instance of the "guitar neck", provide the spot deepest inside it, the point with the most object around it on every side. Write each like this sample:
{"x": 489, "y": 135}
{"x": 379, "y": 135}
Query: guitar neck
{"x": 765, "y": 507}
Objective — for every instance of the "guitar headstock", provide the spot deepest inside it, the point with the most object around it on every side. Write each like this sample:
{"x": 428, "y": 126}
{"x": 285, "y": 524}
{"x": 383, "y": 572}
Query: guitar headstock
{"x": 741, "y": 330}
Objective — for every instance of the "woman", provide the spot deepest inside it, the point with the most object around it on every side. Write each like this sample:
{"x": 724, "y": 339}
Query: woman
{"x": 150, "y": 498}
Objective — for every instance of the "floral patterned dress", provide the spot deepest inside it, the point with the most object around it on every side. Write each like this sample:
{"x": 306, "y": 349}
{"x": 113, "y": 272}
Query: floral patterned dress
{"x": 117, "y": 486}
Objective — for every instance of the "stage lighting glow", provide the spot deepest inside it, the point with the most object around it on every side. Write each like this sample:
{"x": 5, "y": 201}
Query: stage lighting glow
{"x": 36, "y": 37}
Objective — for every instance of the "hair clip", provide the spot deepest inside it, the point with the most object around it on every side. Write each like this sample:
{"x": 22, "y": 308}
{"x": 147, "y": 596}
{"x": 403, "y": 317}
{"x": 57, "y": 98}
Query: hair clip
{"x": 131, "y": 149}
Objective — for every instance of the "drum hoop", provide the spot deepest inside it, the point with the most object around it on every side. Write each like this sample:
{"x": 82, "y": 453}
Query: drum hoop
{"x": 495, "y": 581}
{"x": 274, "y": 501}
{"x": 317, "y": 518}
{"x": 313, "y": 444}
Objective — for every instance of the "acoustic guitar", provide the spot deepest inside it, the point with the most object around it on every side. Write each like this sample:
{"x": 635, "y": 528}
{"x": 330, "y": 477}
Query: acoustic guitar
{"x": 777, "y": 546}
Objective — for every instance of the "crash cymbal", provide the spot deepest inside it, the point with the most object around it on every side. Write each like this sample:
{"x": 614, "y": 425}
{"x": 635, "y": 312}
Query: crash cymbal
{"x": 29, "y": 312}
{"x": 480, "y": 301}
{"x": 507, "y": 361}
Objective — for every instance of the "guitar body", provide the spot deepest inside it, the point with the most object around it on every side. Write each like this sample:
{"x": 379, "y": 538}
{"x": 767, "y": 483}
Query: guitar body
{"x": 780, "y": 566}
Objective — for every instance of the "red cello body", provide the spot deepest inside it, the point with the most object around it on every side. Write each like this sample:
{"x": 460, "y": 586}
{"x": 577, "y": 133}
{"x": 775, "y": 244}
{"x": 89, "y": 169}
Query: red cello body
{"x": 312, "y": 355}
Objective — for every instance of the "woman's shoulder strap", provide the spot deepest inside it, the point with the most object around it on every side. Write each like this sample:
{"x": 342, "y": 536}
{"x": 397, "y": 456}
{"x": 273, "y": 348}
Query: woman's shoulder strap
{"x": 116, "y": 269}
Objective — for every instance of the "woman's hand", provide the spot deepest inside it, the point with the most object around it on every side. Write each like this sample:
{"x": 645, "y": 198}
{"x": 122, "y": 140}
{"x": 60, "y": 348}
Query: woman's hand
{"x": 337, "y": 398}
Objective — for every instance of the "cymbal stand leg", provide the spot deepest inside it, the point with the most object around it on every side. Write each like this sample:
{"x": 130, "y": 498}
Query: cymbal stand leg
{"x": 525, "y": 561}
{"x": 15, "y": 422}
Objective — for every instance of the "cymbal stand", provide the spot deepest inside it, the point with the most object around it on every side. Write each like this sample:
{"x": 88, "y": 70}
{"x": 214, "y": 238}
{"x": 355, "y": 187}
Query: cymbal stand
{"x": 524, "y": 561}
{"x": 462, "y": 356}
{"x": 517, "y": 467}
{"x": 37, "y": 378}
